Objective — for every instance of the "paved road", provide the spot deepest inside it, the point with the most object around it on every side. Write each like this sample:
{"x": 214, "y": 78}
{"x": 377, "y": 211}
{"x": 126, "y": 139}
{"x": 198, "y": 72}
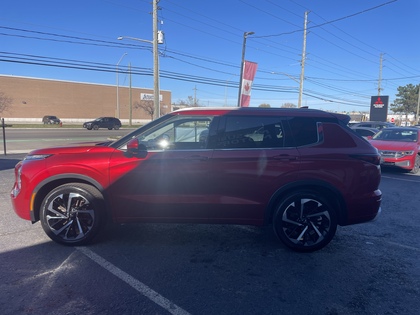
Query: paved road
{"x": 370, "y": 268}
{"x": 25, "y": 140}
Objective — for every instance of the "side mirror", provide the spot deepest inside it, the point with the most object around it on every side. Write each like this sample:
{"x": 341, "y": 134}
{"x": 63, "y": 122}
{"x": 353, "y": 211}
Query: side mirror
{"x": 135, "y": 149}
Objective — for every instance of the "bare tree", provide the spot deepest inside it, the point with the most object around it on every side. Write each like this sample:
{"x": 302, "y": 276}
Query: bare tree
{"x": 147, "y": 106}
{"x": 189, "y": 102}
{"x": 265, "y": 105}
{"x": 288, "y": 105}
{"x": 5, "y": 102}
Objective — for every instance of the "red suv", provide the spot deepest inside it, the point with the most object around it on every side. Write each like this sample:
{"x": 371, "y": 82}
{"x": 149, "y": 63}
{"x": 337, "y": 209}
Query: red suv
{"x": 303, "y": 171}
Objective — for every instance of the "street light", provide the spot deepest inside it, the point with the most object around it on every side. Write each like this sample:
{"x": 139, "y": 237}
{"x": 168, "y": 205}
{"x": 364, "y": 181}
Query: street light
{"x": 287, "y": 75}
{"x": 118, "y": 99}
{"x": 157, "y": 39}
{"x": 246, "y": 34}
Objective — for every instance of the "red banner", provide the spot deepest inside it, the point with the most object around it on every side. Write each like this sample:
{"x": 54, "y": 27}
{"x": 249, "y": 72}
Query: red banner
{"x": 250, "y": 68}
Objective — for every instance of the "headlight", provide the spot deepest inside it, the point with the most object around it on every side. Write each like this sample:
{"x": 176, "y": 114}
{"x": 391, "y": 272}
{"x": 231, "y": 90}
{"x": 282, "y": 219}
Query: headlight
{"x": 18, "y": 180}
{"x": 399, "y": 154}
{"x": 36, "y": 157}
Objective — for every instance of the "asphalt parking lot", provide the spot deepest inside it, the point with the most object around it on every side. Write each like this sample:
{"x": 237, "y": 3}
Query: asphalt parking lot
{"x": 370, "y": 268}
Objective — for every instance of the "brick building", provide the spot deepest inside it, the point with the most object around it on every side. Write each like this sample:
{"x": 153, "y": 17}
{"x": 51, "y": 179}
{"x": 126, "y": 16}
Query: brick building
{"x": 33, "y": 98}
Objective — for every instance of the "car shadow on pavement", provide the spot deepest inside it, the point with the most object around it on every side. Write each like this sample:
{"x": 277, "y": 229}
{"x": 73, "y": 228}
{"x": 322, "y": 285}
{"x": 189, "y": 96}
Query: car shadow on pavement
{"x": 6, "y": 164}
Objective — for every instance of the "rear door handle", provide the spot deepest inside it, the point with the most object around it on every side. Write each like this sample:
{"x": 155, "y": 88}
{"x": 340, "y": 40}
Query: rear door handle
{"x": 285, "y": 157}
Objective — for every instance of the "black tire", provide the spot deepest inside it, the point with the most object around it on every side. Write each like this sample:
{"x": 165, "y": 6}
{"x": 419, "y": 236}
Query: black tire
{"x": 305, "y": 221}
{"x": 116, "y": 127}
{"x": 72, "y": 214}
{"x": 109, "y": 128}
{"x": 416, "y": 167}
{"x": 95, "y": 127}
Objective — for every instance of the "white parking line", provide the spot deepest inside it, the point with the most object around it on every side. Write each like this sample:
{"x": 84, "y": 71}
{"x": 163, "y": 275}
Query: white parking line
{"x": 134, "y": 283}
{"x": 405, "y": 246}
{"x": 402, "y": 179}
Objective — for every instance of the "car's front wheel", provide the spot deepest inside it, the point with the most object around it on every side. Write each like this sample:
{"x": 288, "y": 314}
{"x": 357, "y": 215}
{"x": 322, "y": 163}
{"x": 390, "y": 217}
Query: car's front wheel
{"x": 95, "y": 127}
{"x": 72, "y": 214}
{"x": 416, "y": 167}
{"x": 116, "y": 127}
{"x": 305, "y": 221}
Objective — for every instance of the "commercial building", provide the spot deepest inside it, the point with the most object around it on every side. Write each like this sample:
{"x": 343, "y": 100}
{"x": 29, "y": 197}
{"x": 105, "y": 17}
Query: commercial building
{"x": 75, "y": 102}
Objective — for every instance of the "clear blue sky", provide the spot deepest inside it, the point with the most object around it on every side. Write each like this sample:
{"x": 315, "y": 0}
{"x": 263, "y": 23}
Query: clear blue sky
{"x": 203, "y": 43}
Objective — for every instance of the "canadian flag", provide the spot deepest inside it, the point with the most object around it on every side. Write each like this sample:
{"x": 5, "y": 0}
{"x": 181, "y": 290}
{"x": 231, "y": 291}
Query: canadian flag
{"x": 250, "y": 68}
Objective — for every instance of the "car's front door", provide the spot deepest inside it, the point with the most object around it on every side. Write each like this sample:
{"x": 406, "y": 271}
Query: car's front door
{"x": 171, "y": 181}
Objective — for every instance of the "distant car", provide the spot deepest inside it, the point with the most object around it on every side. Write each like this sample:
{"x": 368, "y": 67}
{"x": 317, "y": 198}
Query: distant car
{"x": 301, "y": 170}
{"x": 50, "y": 120}
{"x": 399, "y": 147}
{"x": 352, "y": 123}
{"x": 103, "y": 122}
{"x": 365, "y": 132}
{"x": 374, "y": 124}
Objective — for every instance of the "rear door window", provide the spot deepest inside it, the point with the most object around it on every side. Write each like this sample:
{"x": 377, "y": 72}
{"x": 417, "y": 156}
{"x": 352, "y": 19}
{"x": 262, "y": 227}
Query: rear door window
{"x": 250, "y": 132}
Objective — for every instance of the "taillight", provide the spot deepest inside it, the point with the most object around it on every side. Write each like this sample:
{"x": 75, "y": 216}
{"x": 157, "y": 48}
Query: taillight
{"x": 370, "y": 158}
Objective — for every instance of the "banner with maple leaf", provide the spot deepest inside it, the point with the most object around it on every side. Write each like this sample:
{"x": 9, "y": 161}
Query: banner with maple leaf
{"x": 250, "y": 68}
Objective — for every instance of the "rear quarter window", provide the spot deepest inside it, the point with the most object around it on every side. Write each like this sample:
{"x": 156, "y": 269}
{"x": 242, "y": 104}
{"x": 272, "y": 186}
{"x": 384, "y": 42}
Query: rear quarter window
{"x": 336, "y": 136}
{"x": 304, "y": 130}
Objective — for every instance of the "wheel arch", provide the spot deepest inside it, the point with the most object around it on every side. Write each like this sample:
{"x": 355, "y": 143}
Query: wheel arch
{"x": 327, "y": 190}
{"x": 42, "y": 189}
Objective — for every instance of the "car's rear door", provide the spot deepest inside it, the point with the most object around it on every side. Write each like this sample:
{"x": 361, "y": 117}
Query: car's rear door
{"x": 253, "y": 157}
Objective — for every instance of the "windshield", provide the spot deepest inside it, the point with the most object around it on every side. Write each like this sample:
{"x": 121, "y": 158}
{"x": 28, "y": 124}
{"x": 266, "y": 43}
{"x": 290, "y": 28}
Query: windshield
{"x": 397, "y": 134}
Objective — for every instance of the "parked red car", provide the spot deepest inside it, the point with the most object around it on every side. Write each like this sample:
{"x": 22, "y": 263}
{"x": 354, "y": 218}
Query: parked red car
{"x": 399, "y": 147}
{"x": 301, "y": 170}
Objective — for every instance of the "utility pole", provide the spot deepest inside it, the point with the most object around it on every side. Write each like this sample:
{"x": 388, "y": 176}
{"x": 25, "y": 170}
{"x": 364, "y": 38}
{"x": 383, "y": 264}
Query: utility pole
{"x": 380, "y": 74}
{"x": 418, "y": 106}
{"x": 156, "y": 112}
{"x": 130, "y": 99}
{"x": 195, "y": 95}
{"x": 118, "y": 97}
{"x": 246, "y": 34}
{"x": 302, "y": 63}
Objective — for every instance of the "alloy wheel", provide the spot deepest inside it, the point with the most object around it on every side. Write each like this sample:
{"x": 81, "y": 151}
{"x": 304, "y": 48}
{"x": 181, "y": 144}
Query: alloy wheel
{"x": 70, "y": 215}
{"x": 305, "y": 222}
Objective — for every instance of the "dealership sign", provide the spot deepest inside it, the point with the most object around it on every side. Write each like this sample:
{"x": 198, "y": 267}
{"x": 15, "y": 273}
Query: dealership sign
{"x": 379, "y": 108}
{"x": 149, "y": 97}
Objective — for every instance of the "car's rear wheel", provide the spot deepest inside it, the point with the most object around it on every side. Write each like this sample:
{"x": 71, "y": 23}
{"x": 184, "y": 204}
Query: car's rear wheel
{"x": 95, "y": 127}
{"x": 305, "y": 221}
{"x": 72, "y": 214}
{"x": 416, "y": 167}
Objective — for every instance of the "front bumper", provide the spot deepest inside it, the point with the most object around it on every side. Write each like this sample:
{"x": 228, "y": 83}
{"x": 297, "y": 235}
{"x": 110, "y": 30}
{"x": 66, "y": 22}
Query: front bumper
{"x": 405, "y": 163}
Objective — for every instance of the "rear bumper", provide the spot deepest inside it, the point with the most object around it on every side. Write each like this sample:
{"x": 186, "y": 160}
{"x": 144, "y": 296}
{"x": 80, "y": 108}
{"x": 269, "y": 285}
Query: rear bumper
{"x": 378, "y": 214}
{"x": 365, "y": 209}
